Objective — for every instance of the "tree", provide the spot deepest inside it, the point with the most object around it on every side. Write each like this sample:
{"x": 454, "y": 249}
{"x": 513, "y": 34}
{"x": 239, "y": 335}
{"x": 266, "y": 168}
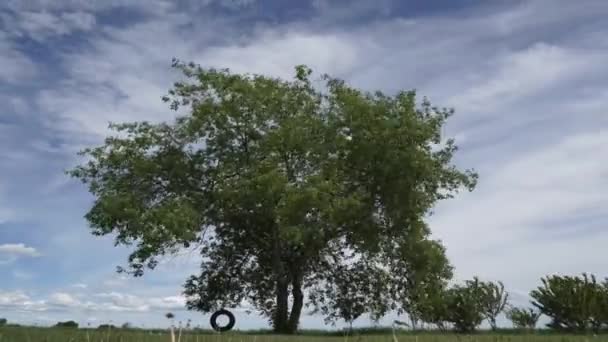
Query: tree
{"x": 272, "y": 181}
{"x": 106, "y": 327}
{"x": 523, "y": 318}
{"x": 67, "y": 324}
{"x": 3, "y": 321}
{"x": 574, "y": 303}
{"x": 494, "y": 301}
{"x": 432, "y": 308}
{"x": 349, "y": 292}
{"x": 420, "y": 278}
{"x": 464, "y": 305}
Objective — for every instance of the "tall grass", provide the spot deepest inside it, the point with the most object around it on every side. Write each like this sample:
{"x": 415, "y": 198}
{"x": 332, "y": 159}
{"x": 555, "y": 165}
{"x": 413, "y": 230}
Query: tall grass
{"x": 29, "y": 334}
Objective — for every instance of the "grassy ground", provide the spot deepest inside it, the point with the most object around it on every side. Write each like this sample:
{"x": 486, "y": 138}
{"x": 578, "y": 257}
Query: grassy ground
{"x": 23, "y": 334}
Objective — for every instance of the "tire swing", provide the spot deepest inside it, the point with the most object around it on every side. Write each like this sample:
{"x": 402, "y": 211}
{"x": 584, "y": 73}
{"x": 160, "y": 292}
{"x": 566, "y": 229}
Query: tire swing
{"x": 227, "y": 327}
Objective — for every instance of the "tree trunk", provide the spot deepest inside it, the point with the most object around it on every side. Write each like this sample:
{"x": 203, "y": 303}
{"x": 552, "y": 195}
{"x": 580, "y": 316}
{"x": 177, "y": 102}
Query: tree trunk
{"x": 492, "y": 322}
{"x": 280, "y": 323}
{"x": 296, "y": 308}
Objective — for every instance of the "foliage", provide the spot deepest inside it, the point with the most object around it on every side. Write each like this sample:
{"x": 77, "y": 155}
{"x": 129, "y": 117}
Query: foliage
{"x": 350, "y": 292}
{"x": 67, "y": 324}
{"x": 574, "y": 303}
{"x": 494, "y": 301}
{"x": 420, "y": 280}
{"x": 465, "y": 309}
{"x": 523, "y": 318}
{"x": 106, "y": 326}
{"x": 434, "y": 308}
{"x": 272, "y": 181}
{"x": 3, "y": 321}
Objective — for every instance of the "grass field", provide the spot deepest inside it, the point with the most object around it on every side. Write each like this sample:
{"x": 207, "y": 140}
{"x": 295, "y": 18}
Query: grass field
{"x": 27, "y": 334}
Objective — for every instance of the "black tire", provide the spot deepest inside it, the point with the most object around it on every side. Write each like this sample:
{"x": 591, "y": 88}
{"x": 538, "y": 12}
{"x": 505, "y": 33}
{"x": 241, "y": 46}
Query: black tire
{"x": 228, "y": 326}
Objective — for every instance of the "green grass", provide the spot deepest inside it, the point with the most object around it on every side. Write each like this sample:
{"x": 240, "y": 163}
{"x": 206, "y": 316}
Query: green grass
{"x": 29, "y": 334}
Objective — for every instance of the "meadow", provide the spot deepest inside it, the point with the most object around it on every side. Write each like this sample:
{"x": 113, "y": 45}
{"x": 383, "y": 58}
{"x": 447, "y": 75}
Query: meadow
{"x": 35, "y": 334}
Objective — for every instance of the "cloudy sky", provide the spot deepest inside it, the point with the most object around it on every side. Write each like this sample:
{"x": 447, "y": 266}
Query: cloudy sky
{"x": 528, "y": 80}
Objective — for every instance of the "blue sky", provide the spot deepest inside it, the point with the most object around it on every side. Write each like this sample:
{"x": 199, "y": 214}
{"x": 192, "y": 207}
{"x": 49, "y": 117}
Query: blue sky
{"x": 528, "y": 80}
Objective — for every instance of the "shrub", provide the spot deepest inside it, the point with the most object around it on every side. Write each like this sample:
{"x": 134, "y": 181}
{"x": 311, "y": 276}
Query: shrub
{"x": 523, "y": 318}
{"x": 67, "y": 324}
{"x": 106, "y": 326}
{"x": 464, "y": 305}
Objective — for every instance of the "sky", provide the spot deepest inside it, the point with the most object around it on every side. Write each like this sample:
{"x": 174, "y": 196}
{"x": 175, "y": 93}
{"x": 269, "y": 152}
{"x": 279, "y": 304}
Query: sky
{"x": 528, "y": 81}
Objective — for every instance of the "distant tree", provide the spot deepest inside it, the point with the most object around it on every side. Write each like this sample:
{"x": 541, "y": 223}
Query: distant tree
{"x": 106, "y": 326}
{"x": 3, "y": 321}
{"x": 523, "y": 318}
{"x": 494, "y": 301}
{"x": 464, "y": 305}
{"x": 272, "y": 180}
{"x": 419, "y": 277}
{"x": 67, "y": 324}
{"x": 351, "y": 291}
{"x": 126, "y": 325}
{"x": 573, "y": 303}
{"x": 433, "y": 307}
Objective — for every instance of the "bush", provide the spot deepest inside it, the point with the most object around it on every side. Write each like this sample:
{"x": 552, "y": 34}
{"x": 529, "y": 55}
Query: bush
{"x": 106, "y": 326}
{"x": 67, "y": 324}
{"x": 465, "y": 305}
{"x": 523, "y": 318}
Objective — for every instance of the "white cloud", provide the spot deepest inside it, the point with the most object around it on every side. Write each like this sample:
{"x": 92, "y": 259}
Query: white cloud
{"x": 41, "y": 25}
{"x": 527, "y": 210}
{"x": 20, "y": 301}
{"x": 18, "y": 249}
{"x": 12, "y": 298}
{"x": 15, "y": 67}
{"x": 100, "y": 303}
{"x": 10, "y": 252}
{"x": 119, "y": 301}
{"x": 116, "y": 281}
{"x": 80, "y": 286}
{"x": 63, "y": 299}
{"x": 523, "y": 73}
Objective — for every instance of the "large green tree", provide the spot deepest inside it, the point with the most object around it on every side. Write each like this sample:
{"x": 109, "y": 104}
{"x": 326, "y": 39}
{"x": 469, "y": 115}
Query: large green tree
{"x": 277, "y": 183}
{"x": 573, "y": 303}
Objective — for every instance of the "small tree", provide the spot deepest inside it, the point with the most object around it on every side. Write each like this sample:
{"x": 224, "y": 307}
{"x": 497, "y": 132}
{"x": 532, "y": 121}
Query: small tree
{"x": 574, "y": 303}
{"x": 420, "y": 279}
{"x": 3, "y": 321}
{"x": 523, "y": 318}
{"x": 352, "y": 291}
{"x": 464, "y": 305}
{"x": 494, "y": 301}
{"x": 433, "y": 307}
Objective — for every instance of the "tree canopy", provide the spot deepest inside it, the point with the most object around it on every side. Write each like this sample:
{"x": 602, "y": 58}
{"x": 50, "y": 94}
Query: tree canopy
{"x": 281, "y": 184}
